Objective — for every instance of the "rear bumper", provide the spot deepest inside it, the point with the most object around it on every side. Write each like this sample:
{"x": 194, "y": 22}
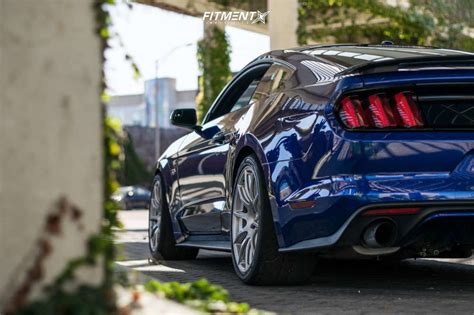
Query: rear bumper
{"x": 438, "y": 226}
{"x": 344, "y": 172}
{"x": 411, "y": 229}
{"x": 339, "y": 201}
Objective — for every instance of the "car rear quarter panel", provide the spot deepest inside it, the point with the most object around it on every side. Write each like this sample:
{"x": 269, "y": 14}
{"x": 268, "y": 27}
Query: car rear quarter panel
{"x": 347, "y": 170}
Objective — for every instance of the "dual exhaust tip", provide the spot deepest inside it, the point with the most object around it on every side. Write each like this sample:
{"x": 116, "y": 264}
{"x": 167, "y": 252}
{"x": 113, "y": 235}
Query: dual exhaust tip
{"x": 380, "y": 234}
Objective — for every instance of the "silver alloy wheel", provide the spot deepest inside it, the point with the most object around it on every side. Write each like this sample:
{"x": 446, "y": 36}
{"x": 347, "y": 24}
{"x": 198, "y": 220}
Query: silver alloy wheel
{"x": 245, "y": 218}
{"x": 154, "y": 216}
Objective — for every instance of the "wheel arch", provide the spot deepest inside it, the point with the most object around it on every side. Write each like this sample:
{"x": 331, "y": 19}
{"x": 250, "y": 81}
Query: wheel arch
{"x": 163, "y": 169}
{"x": 247, "y": 145}
{"x": 250, "y": 145}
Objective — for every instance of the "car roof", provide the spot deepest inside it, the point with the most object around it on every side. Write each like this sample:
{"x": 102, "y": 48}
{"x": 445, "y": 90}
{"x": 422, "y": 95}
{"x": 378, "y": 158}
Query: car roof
{"x": 351, "y": 58}
{"x": 354, "y": 55}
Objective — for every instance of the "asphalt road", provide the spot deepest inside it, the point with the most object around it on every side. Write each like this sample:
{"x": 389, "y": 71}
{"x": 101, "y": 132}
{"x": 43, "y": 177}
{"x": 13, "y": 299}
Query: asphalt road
{"x": 411, "y": 286}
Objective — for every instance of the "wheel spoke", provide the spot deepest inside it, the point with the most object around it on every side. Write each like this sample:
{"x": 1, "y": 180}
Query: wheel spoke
{"x": 255, "y": 199}
{"x": 248, "y": 187}
{"x": 254, "y": 240}
{"x": 240, "y": 214}
{"x": 240, "y": 238}
{"x": 243, "y": 252}
{"x": 155, "y": 203}
{"x": 243, "y": 194}
{"x": 249, "y": 254}
{"x": 153, "y": 236}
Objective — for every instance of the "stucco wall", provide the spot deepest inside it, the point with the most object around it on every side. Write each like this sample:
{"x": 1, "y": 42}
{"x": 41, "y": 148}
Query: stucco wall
{"x": 282, "y": 24}
{"x": 50, "y": 130}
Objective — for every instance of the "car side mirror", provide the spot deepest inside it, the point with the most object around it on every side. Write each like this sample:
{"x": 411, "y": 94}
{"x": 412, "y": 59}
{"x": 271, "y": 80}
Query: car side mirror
{"x": 185, "y": 117}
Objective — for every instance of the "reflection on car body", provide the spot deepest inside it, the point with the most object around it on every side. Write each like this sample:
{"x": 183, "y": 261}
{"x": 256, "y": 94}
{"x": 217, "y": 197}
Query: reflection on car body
{"x": 350, "y": 151}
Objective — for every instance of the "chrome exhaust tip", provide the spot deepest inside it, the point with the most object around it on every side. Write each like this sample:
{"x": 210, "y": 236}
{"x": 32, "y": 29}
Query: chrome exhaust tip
{"x": 380, "y": 234}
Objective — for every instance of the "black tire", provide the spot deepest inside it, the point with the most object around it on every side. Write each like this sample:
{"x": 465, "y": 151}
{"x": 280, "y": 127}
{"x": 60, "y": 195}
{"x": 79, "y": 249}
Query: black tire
{"x": 166, "y": 245}
{"x": 269, "y": 266}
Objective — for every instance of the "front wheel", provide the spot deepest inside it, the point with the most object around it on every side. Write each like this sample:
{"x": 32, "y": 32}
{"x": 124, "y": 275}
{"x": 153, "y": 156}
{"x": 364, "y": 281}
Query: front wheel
{"x": 254, "y": 247}
{"x": 160, "y": 233}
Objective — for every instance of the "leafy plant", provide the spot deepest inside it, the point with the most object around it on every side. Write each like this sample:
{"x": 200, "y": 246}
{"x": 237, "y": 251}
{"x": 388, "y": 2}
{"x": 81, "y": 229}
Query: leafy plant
{"x": 213, "y": 57}
{"x": 423, "y": 22}
{"x": 133, "y": 170}
{"x": 200, "y": 294}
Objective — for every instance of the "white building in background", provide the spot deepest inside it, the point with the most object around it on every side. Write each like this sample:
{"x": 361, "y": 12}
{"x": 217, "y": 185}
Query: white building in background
{"x": 161, "y": 98}
{"x": 186, "y": 99}
{"x": 154, "y": 106}
{"x": 130, "y": 109}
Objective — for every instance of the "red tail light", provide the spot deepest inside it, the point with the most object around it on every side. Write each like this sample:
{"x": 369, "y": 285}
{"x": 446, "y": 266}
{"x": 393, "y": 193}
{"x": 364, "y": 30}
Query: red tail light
{"x": 352, "y": 114}
{"x": 380, "y": 111}
{"x": 408, "y": 110}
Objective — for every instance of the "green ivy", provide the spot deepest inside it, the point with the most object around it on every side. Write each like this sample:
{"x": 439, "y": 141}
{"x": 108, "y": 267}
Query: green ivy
{"x": 405, "y": 26}
{"x": 435, "y": 22}
{"x": 133, "y": 170}
{"x": 213, "y": 56}
{"x": 112, "y": 162}
{"x": 250, "y": 5}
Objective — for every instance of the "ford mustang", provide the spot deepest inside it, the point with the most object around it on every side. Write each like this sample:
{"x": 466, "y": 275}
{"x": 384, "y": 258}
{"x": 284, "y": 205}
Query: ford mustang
{"x": 337, "y": 151}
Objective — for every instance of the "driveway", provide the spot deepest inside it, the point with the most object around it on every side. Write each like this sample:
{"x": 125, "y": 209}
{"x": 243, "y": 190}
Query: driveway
{"x": 411, "y": 286}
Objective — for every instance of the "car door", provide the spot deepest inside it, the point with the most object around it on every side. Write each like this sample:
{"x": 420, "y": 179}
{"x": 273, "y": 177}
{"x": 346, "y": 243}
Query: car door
{"x": 202, "y": 158}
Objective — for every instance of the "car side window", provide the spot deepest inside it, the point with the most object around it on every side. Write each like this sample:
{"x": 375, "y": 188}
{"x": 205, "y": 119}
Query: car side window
{"x": 239, "y": 94}
{"x": 272, "y": 80}
{"x": 245, "y": 98}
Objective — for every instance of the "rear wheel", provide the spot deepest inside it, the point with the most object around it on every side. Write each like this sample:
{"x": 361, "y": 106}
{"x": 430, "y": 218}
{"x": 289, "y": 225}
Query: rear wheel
{"x": 160, "y": 234}
{"x": 254, "y": 247}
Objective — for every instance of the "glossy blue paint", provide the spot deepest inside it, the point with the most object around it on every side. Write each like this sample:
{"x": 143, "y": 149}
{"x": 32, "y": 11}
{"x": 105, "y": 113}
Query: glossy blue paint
{"x": 306, "y": 154}
{"x": 346, "y": 170}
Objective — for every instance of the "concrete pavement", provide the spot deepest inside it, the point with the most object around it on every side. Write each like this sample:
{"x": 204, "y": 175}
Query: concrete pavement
{"x": 412, "y": 286}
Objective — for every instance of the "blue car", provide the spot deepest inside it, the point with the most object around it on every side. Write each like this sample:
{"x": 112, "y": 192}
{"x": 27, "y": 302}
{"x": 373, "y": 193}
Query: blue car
{"x": 338, "y": 151}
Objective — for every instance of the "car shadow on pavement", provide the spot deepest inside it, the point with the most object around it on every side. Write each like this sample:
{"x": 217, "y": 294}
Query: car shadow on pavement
{"x": 337, "y": 286}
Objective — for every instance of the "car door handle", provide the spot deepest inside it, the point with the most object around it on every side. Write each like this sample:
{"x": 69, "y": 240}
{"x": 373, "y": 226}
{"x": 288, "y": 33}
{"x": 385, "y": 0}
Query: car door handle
{"x": 224, "y": 137}
{"x": 219, "y": 137}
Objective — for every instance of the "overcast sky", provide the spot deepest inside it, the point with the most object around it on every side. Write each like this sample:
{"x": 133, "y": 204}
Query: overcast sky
{"x": 150, "y": 33}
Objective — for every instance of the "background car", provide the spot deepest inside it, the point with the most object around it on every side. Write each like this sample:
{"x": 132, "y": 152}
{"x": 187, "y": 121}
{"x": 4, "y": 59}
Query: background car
{"x": 132, "y": 197}
{"x": 349, "y": 151}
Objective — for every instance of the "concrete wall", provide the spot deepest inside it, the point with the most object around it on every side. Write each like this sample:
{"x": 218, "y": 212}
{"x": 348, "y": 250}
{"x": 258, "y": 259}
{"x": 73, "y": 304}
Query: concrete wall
{"x": 50, "y": 131}
{"x": 282, "y": 23}
{"x": 144, "y": 141}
